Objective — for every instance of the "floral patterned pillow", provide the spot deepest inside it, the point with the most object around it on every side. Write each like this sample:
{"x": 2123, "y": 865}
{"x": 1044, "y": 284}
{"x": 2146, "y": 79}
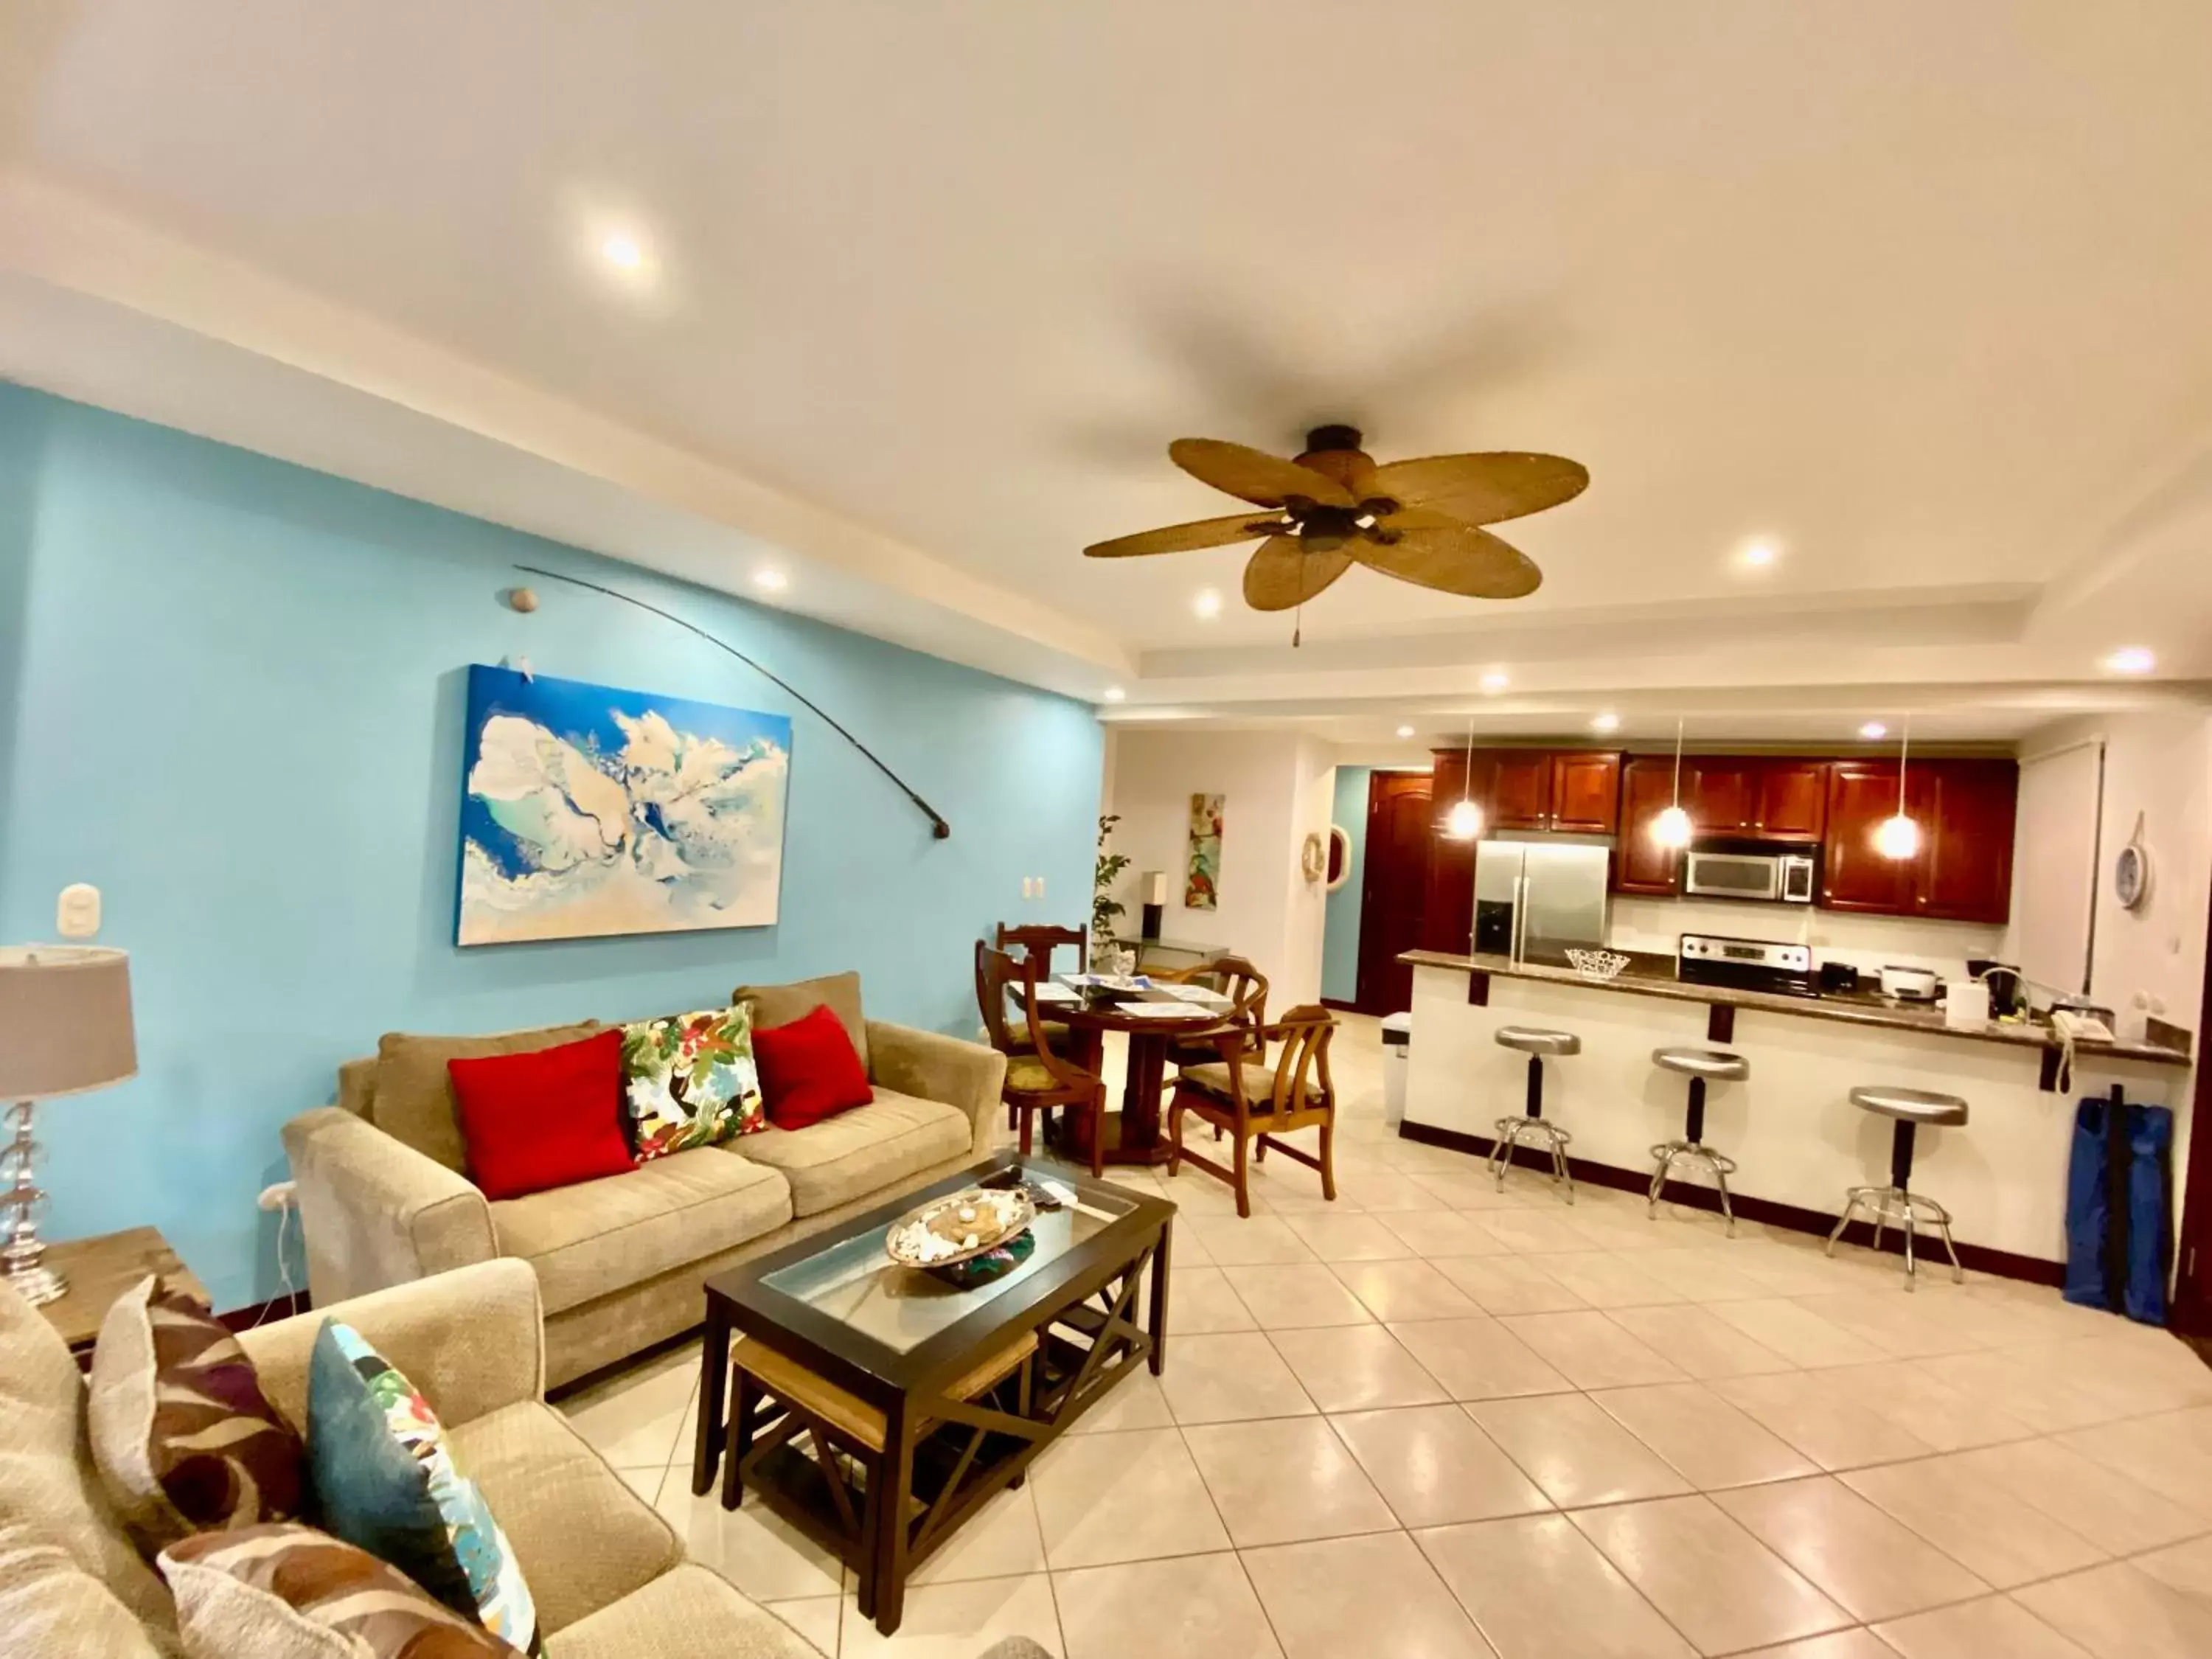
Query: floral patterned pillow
{"x": 385, "y": 1481}
{"x": 690, "y": 1080}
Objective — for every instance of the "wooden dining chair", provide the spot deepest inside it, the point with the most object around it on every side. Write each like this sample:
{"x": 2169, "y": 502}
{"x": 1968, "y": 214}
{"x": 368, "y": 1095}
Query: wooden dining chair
{"x": 1041, "y": 939}
{"x": 1256, "y": 1107}
{"x": 1245, "y": 987}
{"x": 1038, "y": 1077}
{"x": 1038, "y": 940}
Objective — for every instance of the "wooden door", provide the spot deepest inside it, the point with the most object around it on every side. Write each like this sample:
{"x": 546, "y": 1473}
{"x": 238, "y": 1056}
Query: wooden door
{"x": 1520, "y": 788}
{"x": 1793, "y": 799}
{"x": 2192, "y": 1278}
{"x": 1853, "y": 875}
{"x": 1721, "y": 793}
{"x": 1394, "y": 888}
{"x": 1448, "y": 913}
{"x": 1965, "y": 868}
{"x": 1641, "y": 865}
{"x": 1586, "y": 792}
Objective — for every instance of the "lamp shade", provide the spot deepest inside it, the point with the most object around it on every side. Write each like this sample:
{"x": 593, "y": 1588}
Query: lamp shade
{"x": 64, "y": 1020}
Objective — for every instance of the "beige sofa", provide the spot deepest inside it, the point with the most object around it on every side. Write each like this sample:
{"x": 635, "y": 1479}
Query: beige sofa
{"x": 607, "y": 1573}
{"x": 620, "y": 1260}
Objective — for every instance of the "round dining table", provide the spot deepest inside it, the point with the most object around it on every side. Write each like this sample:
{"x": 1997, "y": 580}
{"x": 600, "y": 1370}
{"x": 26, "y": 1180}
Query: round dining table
{"x": 1133, "y": 1134}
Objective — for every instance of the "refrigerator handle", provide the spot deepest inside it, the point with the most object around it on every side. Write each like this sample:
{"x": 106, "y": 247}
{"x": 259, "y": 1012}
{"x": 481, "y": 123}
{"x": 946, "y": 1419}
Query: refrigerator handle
{"x": 1520, "y": 913}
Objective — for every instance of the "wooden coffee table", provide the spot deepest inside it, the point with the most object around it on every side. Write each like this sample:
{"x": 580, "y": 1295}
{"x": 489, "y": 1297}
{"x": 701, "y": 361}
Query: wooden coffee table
{"x": 879, "y": 1380}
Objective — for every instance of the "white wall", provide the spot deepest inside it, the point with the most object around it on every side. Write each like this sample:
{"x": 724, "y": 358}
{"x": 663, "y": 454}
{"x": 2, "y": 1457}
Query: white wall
{"x": 1865, "y": 942}
{"x": 1276, "y": 787}
{"x": 2158, "y": 765}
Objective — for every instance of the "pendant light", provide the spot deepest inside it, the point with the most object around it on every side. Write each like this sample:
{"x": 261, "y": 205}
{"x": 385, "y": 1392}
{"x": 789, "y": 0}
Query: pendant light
{"x": 1898, "y": 836}
{"x": 1671, "y": 829}
{"x": 1464, "y": 822}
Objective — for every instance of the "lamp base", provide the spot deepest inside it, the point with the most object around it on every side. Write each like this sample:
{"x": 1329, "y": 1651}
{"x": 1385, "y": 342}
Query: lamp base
{"x": 36, "y": 1283}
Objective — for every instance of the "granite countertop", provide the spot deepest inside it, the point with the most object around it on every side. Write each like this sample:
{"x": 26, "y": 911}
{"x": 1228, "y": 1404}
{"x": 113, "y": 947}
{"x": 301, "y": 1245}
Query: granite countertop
{"x": 1654, "y": 976}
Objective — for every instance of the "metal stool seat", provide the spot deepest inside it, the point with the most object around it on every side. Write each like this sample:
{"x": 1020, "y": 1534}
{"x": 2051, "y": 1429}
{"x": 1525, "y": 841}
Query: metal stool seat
{"x": 1538, "y": 1040}
{"x": 1702, "y": 1067}
{"x": 1717, "y": 1064}
{"x": 1897, "y": 1202}
{"x": 1532, "y": 1126}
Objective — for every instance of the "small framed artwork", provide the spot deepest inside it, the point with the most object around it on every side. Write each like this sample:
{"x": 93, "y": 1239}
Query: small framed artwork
{"x": 1201, "y": 881}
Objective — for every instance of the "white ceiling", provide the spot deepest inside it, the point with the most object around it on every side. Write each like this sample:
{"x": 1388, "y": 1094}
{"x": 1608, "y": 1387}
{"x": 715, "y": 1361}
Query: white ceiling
{"x": 1918, "y": 292}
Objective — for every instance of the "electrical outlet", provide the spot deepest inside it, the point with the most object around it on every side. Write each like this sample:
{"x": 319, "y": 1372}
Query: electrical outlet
{"x": 281, "y": 1196}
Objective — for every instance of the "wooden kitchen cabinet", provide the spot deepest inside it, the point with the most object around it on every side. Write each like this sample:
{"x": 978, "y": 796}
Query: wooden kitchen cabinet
{"x": 1641, "y": 865}
{"x": 1520, "y": 788}
{"x": 1448, "y": 906}
{"x": 1853, "y": 875}
{"x": 1722, "y": 793}
{"x": 1586, "y": 792}
{"x": 1793, "y": 799}
{"x": 1963, "y": 870}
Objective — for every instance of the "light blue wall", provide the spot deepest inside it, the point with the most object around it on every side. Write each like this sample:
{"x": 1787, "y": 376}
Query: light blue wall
{"x": 1340, "y": 925}
{"x": 231, "y": 696}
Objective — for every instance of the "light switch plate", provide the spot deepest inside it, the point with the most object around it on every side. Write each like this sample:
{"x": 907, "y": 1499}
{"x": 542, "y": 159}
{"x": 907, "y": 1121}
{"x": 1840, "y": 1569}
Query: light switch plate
{"x": 77, "y": 912}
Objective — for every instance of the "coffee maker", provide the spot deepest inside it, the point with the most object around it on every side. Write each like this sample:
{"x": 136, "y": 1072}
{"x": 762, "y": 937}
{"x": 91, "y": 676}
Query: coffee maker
{"x": 2008, "y": 990}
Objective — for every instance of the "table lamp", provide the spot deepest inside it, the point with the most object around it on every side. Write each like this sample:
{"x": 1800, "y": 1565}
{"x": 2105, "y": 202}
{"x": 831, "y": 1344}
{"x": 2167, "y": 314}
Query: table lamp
{"x": 64, "y": 1028}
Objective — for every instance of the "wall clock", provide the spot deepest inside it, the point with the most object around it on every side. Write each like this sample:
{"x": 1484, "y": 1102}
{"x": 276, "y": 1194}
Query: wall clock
{"x": 2131, "y": 871}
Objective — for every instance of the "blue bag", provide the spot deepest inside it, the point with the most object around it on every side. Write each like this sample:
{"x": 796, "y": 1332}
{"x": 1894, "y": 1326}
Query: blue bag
{"x": 2116, "y": 1212}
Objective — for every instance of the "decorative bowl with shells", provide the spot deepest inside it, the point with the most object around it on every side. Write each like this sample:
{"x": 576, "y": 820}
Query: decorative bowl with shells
{"x": 958, "y": 1226}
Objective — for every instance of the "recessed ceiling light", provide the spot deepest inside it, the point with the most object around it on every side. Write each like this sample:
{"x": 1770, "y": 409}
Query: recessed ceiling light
{"x": 1874, "y": 731}
{"x": 1607, "y": 721}
{"x": 622, "y": 251}
{"x": 1115, "y": 694}
{"x": 770, "y": 580}
{"x": 1759, "y": 554}
{"x": 1207, "y": 603}
{"x": 2131, "y": 659}
{"x": 1405, "y": 731}
{"x": 1495, "y": 680}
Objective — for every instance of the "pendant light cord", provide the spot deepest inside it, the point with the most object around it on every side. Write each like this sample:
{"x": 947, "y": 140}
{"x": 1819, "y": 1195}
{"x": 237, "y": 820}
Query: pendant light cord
{"x": 1678, "y": 760}
{"x": 1904, "y": 746}
{"x": 1466, "y": 772}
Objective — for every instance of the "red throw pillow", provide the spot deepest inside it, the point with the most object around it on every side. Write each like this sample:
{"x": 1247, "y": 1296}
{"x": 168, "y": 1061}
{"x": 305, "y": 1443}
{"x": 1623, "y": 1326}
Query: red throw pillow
{"x": 809, "y": 1070}
{"x": 549, "y": 1118}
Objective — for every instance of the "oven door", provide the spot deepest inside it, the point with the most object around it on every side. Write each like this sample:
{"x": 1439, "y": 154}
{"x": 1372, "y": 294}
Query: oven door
{"x": 1733, "y": 875}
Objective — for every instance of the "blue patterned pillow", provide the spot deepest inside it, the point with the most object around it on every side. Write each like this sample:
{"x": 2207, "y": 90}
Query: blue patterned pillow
{"x": 385, "y": 1481}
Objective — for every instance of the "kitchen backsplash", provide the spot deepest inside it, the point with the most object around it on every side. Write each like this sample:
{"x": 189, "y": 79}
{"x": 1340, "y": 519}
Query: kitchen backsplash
{"x": 1865, "y": 942}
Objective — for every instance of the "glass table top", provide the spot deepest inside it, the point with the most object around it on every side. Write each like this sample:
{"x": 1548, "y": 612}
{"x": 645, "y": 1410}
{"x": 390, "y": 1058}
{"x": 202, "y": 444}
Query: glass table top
{"x": 853, "y": 1282}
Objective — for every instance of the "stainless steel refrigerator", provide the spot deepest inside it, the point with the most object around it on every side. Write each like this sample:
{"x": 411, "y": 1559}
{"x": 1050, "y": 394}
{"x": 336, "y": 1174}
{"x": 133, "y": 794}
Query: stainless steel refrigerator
{"x": 1536, "y": 897}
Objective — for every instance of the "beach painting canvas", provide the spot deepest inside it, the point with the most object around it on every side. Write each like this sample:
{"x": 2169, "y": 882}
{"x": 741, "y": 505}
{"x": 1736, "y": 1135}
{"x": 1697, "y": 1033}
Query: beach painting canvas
{"x": 588, "y": 811}
{"x": 1202, "y": 881}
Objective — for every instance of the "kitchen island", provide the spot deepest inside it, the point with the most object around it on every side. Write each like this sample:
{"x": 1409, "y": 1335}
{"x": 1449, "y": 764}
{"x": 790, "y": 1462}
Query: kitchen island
{"x": 1798, "y": 1141}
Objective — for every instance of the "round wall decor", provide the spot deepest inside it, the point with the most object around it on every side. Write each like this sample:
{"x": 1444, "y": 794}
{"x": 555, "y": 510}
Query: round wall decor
{"x": 2131, "y": 871}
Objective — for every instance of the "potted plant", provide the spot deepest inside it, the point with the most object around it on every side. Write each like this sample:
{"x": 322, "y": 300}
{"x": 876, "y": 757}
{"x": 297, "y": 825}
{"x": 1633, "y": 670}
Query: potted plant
{"x": 1104, "y": 907}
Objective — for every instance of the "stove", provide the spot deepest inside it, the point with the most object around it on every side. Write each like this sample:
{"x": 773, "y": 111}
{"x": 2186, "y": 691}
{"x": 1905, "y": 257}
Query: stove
{"x": 1746, "y": 964}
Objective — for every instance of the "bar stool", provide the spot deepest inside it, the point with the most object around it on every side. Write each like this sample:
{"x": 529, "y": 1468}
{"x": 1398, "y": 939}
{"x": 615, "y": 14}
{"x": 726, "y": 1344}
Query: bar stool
{"x": 1897, "y": 1202}
{"x": 1536, "y": 1041}
{"x": 1701, "y": 1066}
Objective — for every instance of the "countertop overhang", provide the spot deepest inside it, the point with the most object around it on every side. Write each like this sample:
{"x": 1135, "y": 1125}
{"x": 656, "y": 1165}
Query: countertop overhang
{"x": 1849, "y": 1010}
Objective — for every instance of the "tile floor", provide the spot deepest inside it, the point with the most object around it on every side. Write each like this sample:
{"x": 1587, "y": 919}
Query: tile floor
{"x": 1434, "y": 1420}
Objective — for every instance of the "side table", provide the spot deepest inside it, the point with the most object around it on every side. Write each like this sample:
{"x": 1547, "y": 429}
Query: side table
{"x": 100, "y": 1268}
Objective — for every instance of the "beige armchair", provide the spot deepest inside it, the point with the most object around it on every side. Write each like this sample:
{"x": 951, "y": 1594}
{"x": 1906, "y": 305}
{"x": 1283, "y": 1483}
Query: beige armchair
{"x": 385, "y": 1198}
{"x": 607, "y": 1574}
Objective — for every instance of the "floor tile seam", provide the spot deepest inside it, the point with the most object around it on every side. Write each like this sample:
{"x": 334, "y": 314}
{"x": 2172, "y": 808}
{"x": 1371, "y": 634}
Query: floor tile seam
{"x": 2106, "y": 1558}
{"x": 1632, "y": 1588}
{"x": 1758, "y": 1543}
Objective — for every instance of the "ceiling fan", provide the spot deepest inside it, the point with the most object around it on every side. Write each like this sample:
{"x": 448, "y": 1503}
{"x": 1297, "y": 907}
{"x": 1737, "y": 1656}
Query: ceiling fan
{"x": 1417, "y": 521}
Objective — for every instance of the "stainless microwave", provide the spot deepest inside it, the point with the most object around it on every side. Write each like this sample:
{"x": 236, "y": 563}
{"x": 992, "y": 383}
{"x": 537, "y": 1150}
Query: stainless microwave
{"x": 1778, "y": 875}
